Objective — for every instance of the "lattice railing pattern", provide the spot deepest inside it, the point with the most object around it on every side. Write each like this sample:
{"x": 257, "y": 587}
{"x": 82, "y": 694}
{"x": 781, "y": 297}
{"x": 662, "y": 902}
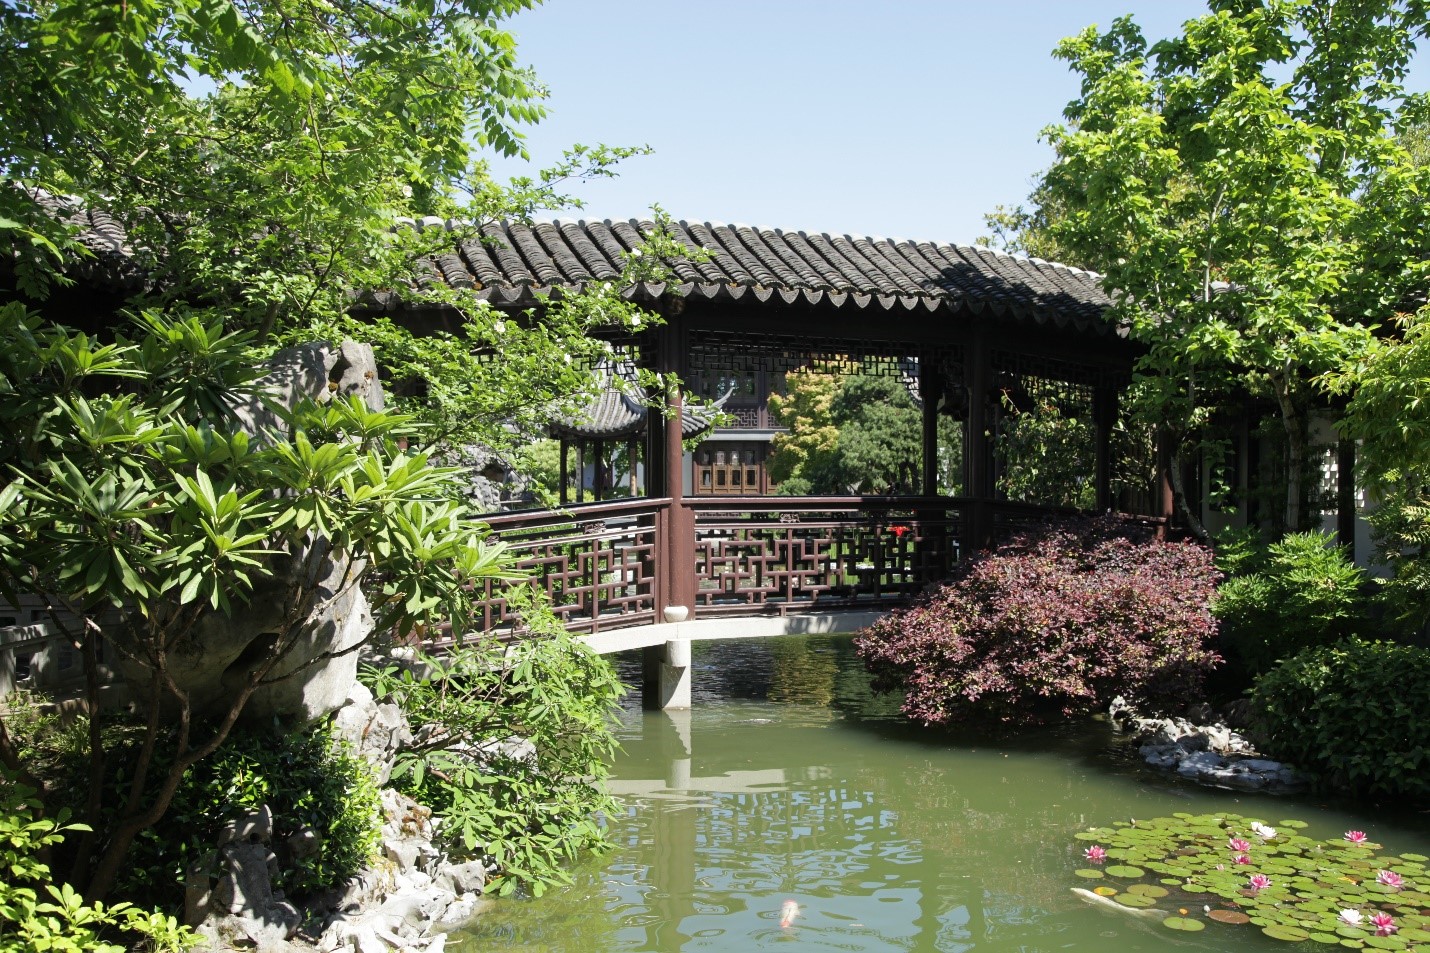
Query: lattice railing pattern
{"x": 596, "y": 568}
{"x": 792, "y": 560}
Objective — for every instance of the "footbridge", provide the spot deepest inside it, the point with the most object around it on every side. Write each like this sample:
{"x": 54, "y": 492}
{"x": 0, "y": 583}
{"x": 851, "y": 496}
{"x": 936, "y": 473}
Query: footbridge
{"x": 659, "y": 574}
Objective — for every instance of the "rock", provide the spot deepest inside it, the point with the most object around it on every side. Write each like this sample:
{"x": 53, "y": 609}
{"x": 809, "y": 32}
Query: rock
{"x": 255, "y": 827}
{"x": 464, "y": 878}
{"x": 460, "y": 913}
{"x": 407, "y": 833}
{"x": 198, "y": 888}
{"x": 304, "y": 843}
{"x": 316, "y": 371}
{"x": 376, "y": 731}
{"x": 1207, "y": 754}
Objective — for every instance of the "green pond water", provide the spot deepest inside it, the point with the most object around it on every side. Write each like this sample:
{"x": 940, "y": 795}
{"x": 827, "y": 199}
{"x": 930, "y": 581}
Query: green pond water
{"x": 788, "y": 781}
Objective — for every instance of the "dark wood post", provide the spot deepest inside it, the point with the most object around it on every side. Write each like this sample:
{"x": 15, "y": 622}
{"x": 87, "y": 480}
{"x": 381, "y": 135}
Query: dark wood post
{"x": 565, "y": 476}
{"x": 1104, "y": 418}
{"x": 930, "y": 388}
{"x": 1346, "y": 494}
{"x": 978, "y": 457}
{"x": 665, "y": 465}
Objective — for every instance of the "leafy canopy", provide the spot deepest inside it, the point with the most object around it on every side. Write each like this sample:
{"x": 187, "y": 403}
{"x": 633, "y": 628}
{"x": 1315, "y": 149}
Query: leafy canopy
{"x": 1243, "y": 190}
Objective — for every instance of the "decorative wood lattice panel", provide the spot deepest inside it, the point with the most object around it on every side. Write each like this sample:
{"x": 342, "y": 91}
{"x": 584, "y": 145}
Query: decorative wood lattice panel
{"x": 595, "y": 574}
{"x": 750, "y": 559}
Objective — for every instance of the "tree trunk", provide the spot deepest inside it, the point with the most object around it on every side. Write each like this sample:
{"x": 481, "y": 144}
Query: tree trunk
{"x": 1179, "y": 500}
{"x": 1294, "y": 423}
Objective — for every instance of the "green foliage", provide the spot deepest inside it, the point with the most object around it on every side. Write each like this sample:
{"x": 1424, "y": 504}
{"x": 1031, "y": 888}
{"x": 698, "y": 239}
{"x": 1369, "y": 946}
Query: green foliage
{"x": 1302, "y": 591}
{"x": 1243, "y": 191}
{"x": 1047, "y": 456}
{"x": 528, "y": 814}
{"x": 130, "y": 486}
{"x": 1355, "y": 716}
{"x": 855, "y": 434}
{"x": 1390, "y": 389}
{"x": 38, "y": 915}
{"x": 306, "y": 778}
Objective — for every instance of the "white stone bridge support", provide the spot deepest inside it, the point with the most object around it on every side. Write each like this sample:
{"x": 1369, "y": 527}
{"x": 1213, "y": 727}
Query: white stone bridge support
{"x": 667, "y": 668}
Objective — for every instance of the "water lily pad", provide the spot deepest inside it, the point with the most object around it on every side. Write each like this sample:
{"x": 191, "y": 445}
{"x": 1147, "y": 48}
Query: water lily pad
{"x": 1134, "y": 900}
{"x": 1125, "y": 871}
{"x": 1329, "y": 938}
{"x": 1089, "y": 873}
{"x": 1282, "y": 932}
{"x": 1185, "y": 924}
{"x": 1105, "y": 891}
{"x": 1292, "y": 824}
{"x": 1353, "y": 944}
{"x": 1386, "y": 942}
{"x": 1418, "y": 858}
{"x": 1229, "y": 916}
{"x": 1148, "y": 890}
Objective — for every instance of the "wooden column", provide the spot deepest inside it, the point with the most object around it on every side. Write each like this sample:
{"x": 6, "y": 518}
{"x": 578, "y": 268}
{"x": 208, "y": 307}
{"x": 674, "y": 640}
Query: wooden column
{"x": 1104, "y": 418}
{"x": 564, "y": 494}
{"x": 978, "y": 453}
{"x": 1346, "y": 494}
{"x": 665, "y": 465}
{"x": 930, "y": 388}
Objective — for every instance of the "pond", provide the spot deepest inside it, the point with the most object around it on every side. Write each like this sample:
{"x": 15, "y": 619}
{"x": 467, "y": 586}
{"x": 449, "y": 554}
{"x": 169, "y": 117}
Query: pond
{"x": 790, "y": 782}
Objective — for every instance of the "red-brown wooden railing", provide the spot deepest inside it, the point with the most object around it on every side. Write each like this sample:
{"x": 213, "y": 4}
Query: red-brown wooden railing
{"x": 605, "y": 565}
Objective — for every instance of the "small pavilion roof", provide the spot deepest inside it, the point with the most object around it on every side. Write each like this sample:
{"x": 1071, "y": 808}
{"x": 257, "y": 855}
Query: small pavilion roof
{"x": 614, "y": 412}
{"x": 513, "y": 264}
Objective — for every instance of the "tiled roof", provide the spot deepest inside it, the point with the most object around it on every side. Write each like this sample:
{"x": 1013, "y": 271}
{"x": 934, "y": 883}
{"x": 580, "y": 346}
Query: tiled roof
{"x": 513, "y": 263}
{"x": 613, "y": 412}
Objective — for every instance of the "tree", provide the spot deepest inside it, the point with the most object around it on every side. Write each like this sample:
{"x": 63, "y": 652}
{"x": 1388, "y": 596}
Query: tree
{"x": 856, "y": 433}
{"x": 260, "y": 158}
{"x": 1243, "y": 191}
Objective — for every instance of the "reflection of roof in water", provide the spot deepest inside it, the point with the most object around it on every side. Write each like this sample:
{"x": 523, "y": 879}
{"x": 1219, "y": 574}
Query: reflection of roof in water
{"x": 615, "y": 411}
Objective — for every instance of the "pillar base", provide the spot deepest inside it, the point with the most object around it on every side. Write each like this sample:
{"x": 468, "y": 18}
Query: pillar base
{"x": 666, "y": 675}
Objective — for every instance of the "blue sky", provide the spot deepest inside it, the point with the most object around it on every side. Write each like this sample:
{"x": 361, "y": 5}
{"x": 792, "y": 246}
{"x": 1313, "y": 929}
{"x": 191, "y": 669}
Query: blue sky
{"x": 897, "y": 118}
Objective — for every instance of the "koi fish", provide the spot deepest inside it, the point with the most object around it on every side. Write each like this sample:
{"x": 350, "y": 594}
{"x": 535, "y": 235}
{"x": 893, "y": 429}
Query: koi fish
{"x": 788, "y": 911}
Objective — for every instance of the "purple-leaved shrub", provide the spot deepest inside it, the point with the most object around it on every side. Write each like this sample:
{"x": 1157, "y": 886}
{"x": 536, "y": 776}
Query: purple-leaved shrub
{"x": 1055, "y": 623}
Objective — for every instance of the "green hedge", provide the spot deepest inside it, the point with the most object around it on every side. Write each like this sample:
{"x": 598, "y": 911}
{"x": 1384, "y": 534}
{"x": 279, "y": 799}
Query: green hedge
{"x": 1354, "y": 716}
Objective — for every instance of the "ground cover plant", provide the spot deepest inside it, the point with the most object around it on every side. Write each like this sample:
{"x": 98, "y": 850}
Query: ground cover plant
{"x": 1052, "y": 625}
{"x": 1231, "y": 870}
{"x": 1354, "y": 716}
{"x": 1301, "y": 591}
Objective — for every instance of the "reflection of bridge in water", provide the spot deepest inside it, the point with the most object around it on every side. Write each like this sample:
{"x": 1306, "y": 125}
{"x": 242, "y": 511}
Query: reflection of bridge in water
{"x": 832, "y": 843}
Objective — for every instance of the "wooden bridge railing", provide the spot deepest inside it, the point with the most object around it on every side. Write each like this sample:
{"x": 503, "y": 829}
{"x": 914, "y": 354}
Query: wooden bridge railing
{"x": 618, "y": 564}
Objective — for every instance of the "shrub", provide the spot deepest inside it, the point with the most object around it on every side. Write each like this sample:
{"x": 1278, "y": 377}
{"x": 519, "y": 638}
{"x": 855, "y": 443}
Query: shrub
{"x": 526, "y": 814}
{"x": 1054, "y": 624}
{"x": 1303, "y": 591}
{"x": 305, "y": 778}
{"x": 1355, "y": 716}
{"x": 36, "y": 914}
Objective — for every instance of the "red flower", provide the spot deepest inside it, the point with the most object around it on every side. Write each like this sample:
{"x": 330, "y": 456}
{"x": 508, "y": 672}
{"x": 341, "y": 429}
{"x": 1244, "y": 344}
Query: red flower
{"x": 898, "y": 531}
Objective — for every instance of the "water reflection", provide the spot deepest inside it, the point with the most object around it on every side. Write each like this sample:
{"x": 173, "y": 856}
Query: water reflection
{"x": 789, "y": 781}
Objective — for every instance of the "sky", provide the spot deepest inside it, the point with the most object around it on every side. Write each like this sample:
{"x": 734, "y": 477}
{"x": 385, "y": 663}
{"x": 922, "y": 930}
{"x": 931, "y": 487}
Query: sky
{"x": 893, "y": 118}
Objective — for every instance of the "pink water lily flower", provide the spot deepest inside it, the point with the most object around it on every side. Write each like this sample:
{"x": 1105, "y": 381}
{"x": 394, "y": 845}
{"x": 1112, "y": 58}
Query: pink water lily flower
{"x": 1095, "y": 853}
{"x": 1242, "y": 858}
{"x": 1258, "y": 882}
{"x": 1384, "y": 924}
{"x": 1389, "y": 878}
{"x": 1352, "y": 917}
{"x": 1355, "y": 837}
{"x": 1239, "y": 845}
